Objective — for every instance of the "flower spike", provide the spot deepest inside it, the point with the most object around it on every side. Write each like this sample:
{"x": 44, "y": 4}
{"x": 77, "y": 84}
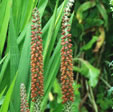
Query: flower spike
{"x": 24, "y": 104}
{"x": 37, "y": 89}
{"x": 66, "y": 59}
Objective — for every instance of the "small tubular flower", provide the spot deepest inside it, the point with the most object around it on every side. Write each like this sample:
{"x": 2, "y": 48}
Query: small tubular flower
{"x": 66, "y": 58}
{"x": 36, "y": 58}
{"x": 24, "y": 104}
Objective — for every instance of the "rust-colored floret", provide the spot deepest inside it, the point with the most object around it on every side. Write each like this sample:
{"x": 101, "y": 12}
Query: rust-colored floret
{"x": 36, "y": 57}
{"x": 24, "y": 104}
{"x": 66, "y": 60}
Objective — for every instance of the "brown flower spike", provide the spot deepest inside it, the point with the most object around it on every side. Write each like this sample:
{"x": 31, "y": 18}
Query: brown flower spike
{"x": 36, "y": 58}
{"x": 24, "y": 104}
{"x": 66, "y": 58}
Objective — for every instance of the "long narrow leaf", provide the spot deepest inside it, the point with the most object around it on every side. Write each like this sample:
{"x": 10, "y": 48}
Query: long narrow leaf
{"x": 6, "y": 102}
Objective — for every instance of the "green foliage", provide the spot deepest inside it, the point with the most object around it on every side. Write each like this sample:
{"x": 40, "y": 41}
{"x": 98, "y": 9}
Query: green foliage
{"x": 105, "y": 103}
{"x": 7, "y": 99}
{"x": 89, "y": 45}
{"x": 87, "y": 5}
{"x": 91, "y": 28}
{"x": 5, "y": 15}
{"x": 13, "y": 49}
{"x": 88, "y": 71}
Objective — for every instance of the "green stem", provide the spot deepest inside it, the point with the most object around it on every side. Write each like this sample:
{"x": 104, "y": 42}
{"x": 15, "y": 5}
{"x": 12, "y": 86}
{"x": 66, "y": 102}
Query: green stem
{"x": 105, "y": 82}
{"x": 93, "y": 100}
{"x": 91, "y": 97}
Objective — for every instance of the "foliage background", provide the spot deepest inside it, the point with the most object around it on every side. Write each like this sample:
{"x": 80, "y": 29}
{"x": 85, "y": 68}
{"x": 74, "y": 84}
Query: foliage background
{"x": 91, "y": 22}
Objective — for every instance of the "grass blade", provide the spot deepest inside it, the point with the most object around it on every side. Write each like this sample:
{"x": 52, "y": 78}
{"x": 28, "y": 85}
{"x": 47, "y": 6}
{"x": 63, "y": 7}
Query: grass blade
{"x": 14, "y": 51}
{"x": 23, "y": 71}
{"x": 5, "y": 21}
{"x": 6, "y": 102}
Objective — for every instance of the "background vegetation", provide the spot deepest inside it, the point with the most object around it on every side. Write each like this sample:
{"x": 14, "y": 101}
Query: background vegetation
{"x": 92, "y": 39}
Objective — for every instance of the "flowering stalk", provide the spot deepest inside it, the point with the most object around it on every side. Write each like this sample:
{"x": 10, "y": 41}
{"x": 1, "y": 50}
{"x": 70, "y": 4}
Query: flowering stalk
{"x": 36, "y": 61}
{"x": 24, "y": 104}
{"x": 66, "y": 61}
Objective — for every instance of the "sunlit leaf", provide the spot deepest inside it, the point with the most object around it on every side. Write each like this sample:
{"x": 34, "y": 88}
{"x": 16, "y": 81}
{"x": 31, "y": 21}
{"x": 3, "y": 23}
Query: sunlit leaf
{"x": 88, "y": 71}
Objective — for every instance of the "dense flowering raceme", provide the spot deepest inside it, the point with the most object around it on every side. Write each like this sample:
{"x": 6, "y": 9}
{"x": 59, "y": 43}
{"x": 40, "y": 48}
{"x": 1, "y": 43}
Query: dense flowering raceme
{"x": 36, "y": 58}
{"x": 66, "y": 58}
{"x": 24, "y": 104}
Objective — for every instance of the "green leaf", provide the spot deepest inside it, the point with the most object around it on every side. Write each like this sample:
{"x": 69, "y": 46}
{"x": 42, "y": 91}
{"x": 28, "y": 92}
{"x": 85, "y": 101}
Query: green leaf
{"x": 41, "y": 6}
{"x": 4, "y": 18}
{"x": 23, "y": 71}
{"x": 2, "y": 96}
{"x": 52, "y": 34}
{"x": 104, "y": 102}
{"x": 3, "y": 59}
{"x": 52, "y": 70}
{"x": 56, "y": 107}
{"x": 88, "y": 71}
{"x": 51, "y": 73}
{"x": 93, "y": 22}
{"x": 83, "y": 109}
{"x": 4, "y": 67}
{"x": 2, "y": 92}
{"x": 26, "y": 13}
{"x": 75, "y": 105}
{"x": 21, "y": 13}
{"x": 103, "y": 12}
{"x": 90, "y": 43}
{"x": 14, "y": 50}
{"x": 57, "y": 90}
{"x": 110, "y": 91}
{"x": 6, "y": 102}
{"x": 6, "y": 61}
{"x": 85, "y": 6}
